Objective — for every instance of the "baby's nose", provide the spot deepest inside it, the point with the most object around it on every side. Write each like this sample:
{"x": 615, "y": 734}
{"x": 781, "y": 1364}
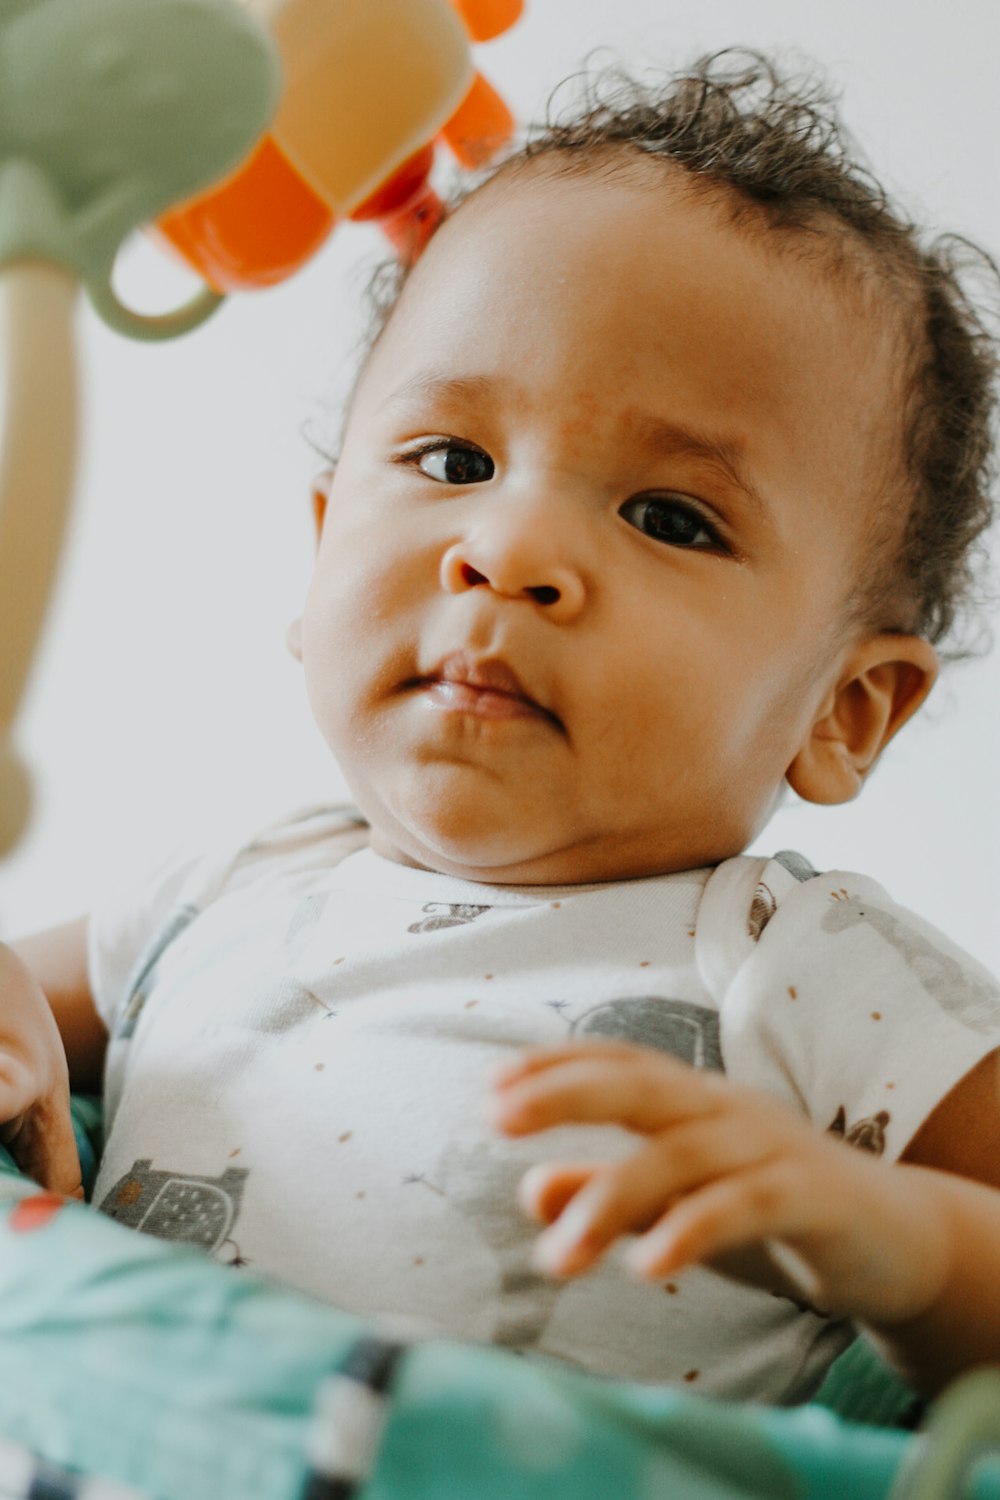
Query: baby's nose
{"x": 515, "y": 572}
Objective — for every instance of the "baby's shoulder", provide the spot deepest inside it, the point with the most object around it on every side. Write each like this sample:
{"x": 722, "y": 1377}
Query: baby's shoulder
{"x": 316, "y": 837}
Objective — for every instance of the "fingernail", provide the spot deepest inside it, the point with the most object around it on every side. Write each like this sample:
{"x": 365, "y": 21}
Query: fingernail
{"x": 501, "y": 1117}
{"x": 650, "y": 1261}
{"x": 564, "y": 1246}
{"x": 791, "y": 1264}
{"x": 555, "y": 1256}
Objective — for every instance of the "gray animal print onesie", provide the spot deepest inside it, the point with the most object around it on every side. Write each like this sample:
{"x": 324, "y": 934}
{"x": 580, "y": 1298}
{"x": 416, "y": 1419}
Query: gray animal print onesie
{"x": 302, "y": 1037}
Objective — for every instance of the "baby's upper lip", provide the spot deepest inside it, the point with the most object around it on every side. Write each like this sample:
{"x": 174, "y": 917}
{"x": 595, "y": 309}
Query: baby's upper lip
{"x": 491, "y": 673}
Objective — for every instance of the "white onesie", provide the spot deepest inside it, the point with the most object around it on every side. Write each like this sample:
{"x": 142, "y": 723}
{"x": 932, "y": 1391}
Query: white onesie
{"x": 302, "y": 1038}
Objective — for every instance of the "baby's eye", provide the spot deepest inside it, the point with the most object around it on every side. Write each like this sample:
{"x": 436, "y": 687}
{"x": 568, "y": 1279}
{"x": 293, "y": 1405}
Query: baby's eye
{"x": 453, "y": 463}
{"x": 670, "y": 519}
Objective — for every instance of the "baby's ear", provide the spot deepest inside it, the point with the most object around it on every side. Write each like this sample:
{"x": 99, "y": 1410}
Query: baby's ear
{"x": 320, "y": 497}
{"x": 320, "y": 494}
{"x": 293, "y": 638}
{"x": 883, "y": 680}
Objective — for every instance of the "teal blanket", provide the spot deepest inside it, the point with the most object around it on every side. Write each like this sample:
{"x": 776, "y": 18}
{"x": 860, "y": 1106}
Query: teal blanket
{"x": 149, "y": 1365}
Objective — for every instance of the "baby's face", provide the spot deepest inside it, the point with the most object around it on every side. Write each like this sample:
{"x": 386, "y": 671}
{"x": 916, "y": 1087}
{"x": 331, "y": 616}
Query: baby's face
{"x": 583, "y": 569}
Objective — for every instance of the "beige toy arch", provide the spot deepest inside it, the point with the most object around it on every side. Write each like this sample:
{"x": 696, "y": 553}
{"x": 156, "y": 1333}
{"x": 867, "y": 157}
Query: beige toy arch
{"x": 37, "y": 452}
{"x": 112, "y": 111}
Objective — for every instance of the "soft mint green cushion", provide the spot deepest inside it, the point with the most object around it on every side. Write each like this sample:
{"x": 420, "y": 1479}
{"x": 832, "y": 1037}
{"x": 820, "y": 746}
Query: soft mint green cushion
{"x": 862, "y": 1388}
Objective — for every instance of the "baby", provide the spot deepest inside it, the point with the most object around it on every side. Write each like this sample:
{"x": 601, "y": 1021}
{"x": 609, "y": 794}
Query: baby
{"x": 658, "y": 487}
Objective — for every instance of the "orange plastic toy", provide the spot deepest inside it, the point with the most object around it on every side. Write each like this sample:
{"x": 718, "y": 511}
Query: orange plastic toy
{"x": 370, "y": 85}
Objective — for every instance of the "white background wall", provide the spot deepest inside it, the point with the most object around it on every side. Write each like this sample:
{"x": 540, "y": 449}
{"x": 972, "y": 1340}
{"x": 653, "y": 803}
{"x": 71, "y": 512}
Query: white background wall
{"x": 164, "y": 698}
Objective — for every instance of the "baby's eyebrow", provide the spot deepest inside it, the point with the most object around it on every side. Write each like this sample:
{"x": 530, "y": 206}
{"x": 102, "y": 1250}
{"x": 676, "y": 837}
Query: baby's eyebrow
{"x": 428, "y": 385}
{"x": 671, "y": 440}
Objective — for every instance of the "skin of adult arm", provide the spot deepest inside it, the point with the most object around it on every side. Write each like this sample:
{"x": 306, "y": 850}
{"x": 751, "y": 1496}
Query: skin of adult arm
{"x": 736, "y": 1179}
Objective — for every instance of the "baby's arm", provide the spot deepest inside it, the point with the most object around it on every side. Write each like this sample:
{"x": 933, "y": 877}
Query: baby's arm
{"x": 733, "y": 1177}
{"x": 57, "y": 958}
{"x": 50, "y": 1036}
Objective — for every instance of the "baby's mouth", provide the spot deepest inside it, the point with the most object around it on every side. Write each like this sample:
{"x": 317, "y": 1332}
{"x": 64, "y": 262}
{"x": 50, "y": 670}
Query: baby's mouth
{"x": 485, "y": 688}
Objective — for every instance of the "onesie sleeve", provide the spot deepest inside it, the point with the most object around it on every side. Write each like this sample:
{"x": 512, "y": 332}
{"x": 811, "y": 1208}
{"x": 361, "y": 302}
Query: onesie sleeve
{"x": 124, "y": 922}
{"x": 132, "y": 927}
{"x": 849, "y": 1006}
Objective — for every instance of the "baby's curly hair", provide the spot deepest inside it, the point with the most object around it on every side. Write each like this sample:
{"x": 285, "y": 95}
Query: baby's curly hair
{"x": 773, "y": 152}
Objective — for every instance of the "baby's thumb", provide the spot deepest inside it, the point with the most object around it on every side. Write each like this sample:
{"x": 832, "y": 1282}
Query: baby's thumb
{"x": 44, "y": 1146}
{"x": 59, "y": 1160}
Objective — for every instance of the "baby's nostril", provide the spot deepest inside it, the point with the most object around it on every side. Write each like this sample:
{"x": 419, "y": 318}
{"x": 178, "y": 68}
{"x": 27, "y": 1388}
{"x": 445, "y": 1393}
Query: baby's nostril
{"x": 470, "y": 577}
{"x": 544, "y": 593}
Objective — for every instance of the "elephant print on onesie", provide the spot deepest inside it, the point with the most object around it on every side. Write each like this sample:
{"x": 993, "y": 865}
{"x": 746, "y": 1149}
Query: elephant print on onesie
{"x": 685, "y": 1030}
{"x": 480, "y": 1182}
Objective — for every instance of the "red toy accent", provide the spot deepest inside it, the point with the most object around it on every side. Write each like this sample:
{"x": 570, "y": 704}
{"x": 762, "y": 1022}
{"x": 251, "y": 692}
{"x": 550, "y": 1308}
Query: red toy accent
{"x": 404, "y": 184}
{"x": 35, "y": 1212}
{"x": 407, "y": 208}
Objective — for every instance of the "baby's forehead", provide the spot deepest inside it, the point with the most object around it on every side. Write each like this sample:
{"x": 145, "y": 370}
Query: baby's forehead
{"x": 633, "y": 236}
{"x": 533, "y": 198}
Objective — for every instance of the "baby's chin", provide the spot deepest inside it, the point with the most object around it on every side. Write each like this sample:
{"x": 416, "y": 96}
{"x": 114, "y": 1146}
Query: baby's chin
{"x": 481, "y": 829}
{"x": 463, "y": 824}
{"x": 505, "y": 860}
{"x": 497, "y": 861}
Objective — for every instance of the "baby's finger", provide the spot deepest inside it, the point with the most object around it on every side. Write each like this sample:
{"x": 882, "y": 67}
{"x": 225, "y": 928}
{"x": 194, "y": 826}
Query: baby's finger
{"x": 540, "y": 1059}
{"x": 60, "y": 1168}
{"x": 44, "y": 1147}
{"x": 544, "y": 1191}
{"x": 17, "y": 1087}
{"x": 641, "y": 1090}
{"x": 746, "y": 1208}
{"x": 627, "y": 1196}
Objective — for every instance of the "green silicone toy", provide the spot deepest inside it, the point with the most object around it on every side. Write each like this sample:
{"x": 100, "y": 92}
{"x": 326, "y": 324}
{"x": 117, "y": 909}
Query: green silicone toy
{"x": 112, "y": 111}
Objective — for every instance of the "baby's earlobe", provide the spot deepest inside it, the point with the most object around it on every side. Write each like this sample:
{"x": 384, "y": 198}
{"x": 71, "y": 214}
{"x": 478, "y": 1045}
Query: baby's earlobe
{"x": 825, "y": 772}
{"x": 883, "y": 682}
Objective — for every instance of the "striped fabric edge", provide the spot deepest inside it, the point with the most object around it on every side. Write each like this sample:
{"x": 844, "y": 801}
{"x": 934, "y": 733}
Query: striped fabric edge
{"x": 352, "y": 1407}
{"x": 25, "y": 1476}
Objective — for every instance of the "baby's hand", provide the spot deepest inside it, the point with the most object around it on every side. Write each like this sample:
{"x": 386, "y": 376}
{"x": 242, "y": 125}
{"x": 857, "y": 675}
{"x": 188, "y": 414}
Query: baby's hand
{"x": 35, "y": 1121}
{"x": 725, "y": 1175}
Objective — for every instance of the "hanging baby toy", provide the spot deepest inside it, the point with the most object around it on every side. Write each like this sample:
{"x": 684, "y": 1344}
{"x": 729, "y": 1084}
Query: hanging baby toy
{"x": 239, "y": 134}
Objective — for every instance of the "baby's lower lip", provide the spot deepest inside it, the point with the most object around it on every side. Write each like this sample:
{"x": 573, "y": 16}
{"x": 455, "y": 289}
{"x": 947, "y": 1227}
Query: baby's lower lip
{"x": 482, "y": 702}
